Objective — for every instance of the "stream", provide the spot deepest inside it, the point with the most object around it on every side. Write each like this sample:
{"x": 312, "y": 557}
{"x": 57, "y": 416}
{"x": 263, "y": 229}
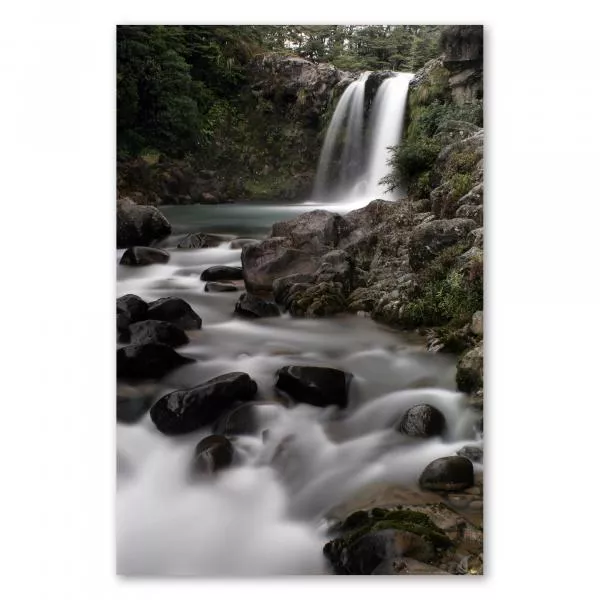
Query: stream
{"x": 268, "y": 513}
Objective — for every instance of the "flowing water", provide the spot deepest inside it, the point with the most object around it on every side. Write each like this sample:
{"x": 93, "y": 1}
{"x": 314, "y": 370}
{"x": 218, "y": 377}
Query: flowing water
{"x": 267, "y": 514}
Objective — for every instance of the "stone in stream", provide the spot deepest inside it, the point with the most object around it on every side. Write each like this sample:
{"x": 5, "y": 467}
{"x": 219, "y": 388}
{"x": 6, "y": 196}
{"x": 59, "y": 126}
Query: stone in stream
{"x": 448, "y": 474}
{"x": 176, "y": 311}
{"x": 253, "y": 307}
{"x": 130, "y": 309}
{"x": 184, "y": 411}
{"x": 220, "y": 286}
{"x": 422, "y": 420}
{"x": 199, "y": 240}
{"x": 130, "y": 409}
{"x": 139, "y": 256}
{"x": 160, "y": 332}
{"x": 139, "y": 225}
{"x": 148, "y": 361}
{"x": 319, "y": 386}
{"x": 220, "y": 273}
{"x": 473, "y": 453}
{"x": 469, "y": 370}
{"x": 212, "y": 454}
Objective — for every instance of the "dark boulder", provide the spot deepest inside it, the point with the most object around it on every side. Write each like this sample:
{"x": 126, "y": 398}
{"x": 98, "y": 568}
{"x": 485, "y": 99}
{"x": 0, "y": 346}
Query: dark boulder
{"x": 212, "y": 454}
{"x": 184, "y": 411}
{"x": 220, "y": 273}
{"x": 422, "y": 420}
{"x": 253, "y": 307}
{"x": 176, "y": 311}
{"x": 141, "y": 256}
{"x": 220, "y": 286}
{"x": 429, "y": 239}
{"x": 139, "y": 225}
{"x": 130, "y": 309}
{"x": 319, "y": 386}
{"x": 283, "y": 286}
{"x": 199, "y": 240}
{"x": 469, "y": 370}
{"x": 240, "y": 420}
{"x": 147, "y": 361}
{"x": 473, "y": 453}
{"x": 448, "y": 474}
{"x": 159, "y": 332}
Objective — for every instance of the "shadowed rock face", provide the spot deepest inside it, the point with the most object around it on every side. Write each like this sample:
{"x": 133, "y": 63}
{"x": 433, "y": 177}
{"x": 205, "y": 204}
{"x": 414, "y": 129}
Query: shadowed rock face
{"x": 139, "y": 256}
{"x": 148, "y": 361}
{"x": 447, "y": 474}
{"x": 176, "y": 311}
{"x": 139, "y": 225}
{"x": 184, "y": 411}
{"x": 160, "y": 332}
{"x": 253, "y": 307}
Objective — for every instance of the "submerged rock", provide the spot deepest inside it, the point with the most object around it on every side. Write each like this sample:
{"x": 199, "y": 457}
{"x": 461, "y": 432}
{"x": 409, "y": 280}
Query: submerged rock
{"x": 199, "y": 240}
{"x": 448, "y": 474}
{"x": 319, "y": 386}
{"x": 240, "y": 420}
{"x": 212, "y": 454}
{"x": 422, "y": 420}
{"x": 184, "y": 411}
{"x": 221, "y": 272}
{"x": 220, "y": 286}
{"x": 139, "y": 256}
{"x": 148, "y": 361}
{"x": 473, "y": 453}
{"x": 130, "y": 409}
{"x": 253, "y": 307}
{"x": 176, "y": 311}
{"x": 139, "y": 225}
{"x": 160, "y": 332}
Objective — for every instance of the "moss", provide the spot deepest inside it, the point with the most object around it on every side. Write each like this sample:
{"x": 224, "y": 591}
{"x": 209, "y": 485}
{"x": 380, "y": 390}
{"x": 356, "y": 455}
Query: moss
{"x": 460, "y": 184}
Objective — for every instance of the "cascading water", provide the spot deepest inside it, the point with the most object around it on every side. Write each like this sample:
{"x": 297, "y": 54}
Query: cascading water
{"x": 363, "y": 162}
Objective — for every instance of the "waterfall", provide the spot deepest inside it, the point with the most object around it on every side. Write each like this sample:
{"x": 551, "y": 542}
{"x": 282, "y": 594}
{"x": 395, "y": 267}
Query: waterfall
{"x": 351, "y": 163}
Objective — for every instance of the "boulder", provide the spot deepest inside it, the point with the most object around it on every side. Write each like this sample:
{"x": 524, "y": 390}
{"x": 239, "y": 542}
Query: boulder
{"x": 282, "y": 286}
{"x": 199, "y": 240}
{"x": 130, "y": 309}
{"x": 473, "y": 453}
{"x": 320, "y": 300}
{"x": 319, "y": 386}
{"x": 273, "y": 259}
{"x": 470, "y": 211}
{"x": 148, "y": 361}
{"x": 184, "y": 411}
{"x": 212, "y": 454}
{"x": 253, "y": 307}
{"x": 220, "y": 286}
{"x": 469, "y": 370}
{"x": 422, "y": 420}
{"x": 242, "y": 243}
{"x": 140, "y": 256}
{"x": 176, "y": 311}
{"x": 220, "y": 273}
{"x": 477, "y": 323}
{"x": 139, "y": 225}
{"x": 448, "y": 474}
{"x": 159, "y": 332}
{"x": 242, "y": 419}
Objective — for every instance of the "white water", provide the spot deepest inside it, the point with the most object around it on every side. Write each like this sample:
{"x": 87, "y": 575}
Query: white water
{"x": 266, "y": 515}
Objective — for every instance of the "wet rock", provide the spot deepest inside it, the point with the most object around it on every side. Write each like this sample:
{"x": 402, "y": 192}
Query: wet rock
{"x": 184, "y": 411}
{"x": 448, "y": 474}
{"x": 220, "y": 286}
{"x": 319, "y": 386}
{"x": 422, "y": 420}
{"x": 212, "y": 454}
{"x": 159, "y": 332}
{"x": 139, "y": 225}
{"x": 242, "y": 243}
{"x": 240, "y": 420}
{"x": 176, "y": 311}
{"x": 253, "y": 307}
{"x": 139, "y": 256}
{"x": 469, "y": 370}
{"x": 220, "y": 273}
{"x": 148, "y": 361}
{"x": 130, "y": 409}
{"x": 130, "y": 309}
{"x": 429, "y": 239}
{"x": 473, "y": 453}
{"x": 199, "y": 240}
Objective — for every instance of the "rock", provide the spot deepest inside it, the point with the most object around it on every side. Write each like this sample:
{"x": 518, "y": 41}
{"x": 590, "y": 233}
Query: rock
{"x": 212, "y": 454}
{"x": 473, "y": 453}
{"x": 130, "y": 409}
{"x": 148, "y": 361}
{"x": 448, "y": 474}
{"x": 221, "y": 272}
{"x": 475, "y": 238}
{"x": 273, "y": 259}
{"x": 176, "y": 311}
{"x": 422, "y": 420}
{"x": 242, "y": 243}
{"x": 220, "y": 286}
{"x": 469, "y": 370}
{"x": 139, "y": 225}
{"x": 429, "y": 239}
{"x": 253, "y": 307}
{"x": 199, "y": 240}
{"x": 240, "y": 420}
{"x": 471, "y": 211}
{"x": 160, "y": 332}
{"x": 477, "y": 323}
{"x": 184, "y": 411}
{"x": 319, "y": 386}
{"x": 139, "y": 256}
{"x": 282, "y": 286}
{"x": 320, "y": 300}
{"x": 130, "y": 309}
